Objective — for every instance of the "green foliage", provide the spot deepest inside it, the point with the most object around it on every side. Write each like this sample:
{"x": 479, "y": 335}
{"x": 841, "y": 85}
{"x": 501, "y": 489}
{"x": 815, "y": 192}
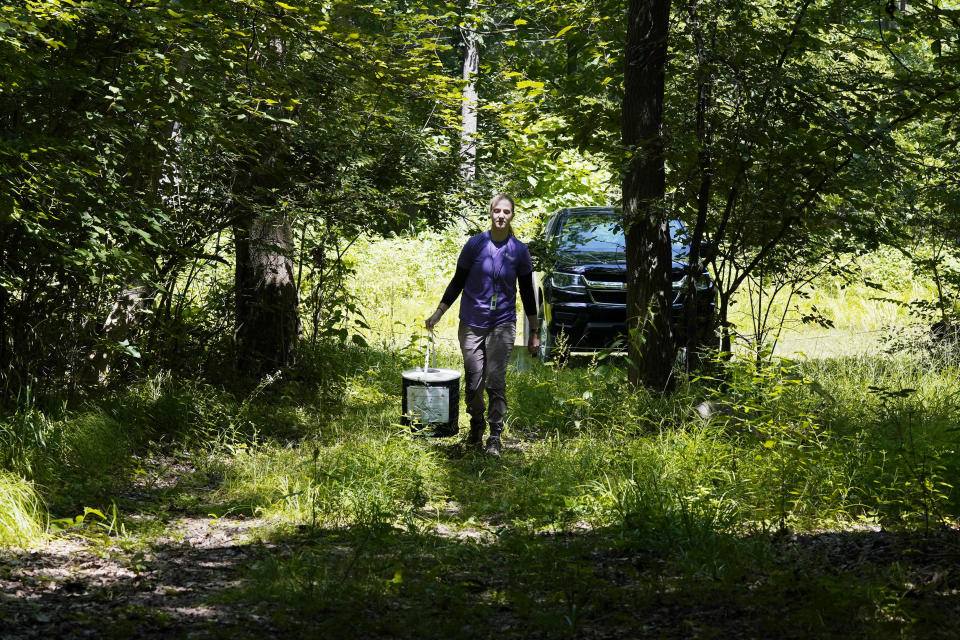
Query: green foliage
{"x": 137, "y": 136}
{"x": 594, "y": 453}
{"x": 778, "y": 157}
{"x": 21, "y": 512}
{"x": 903, "y": 467}
{"x": 788, "y": 446}
{"x": 597, "y": 482}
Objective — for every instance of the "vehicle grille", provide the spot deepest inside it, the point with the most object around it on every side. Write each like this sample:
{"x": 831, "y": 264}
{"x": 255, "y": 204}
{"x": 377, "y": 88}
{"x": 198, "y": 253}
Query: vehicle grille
{"x": 601, "y": 296}
{"x": 610, "y": 288}
{"x": 606, "y": 287}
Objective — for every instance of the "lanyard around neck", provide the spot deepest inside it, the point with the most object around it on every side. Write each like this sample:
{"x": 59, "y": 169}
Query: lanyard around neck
{"x": 493, "y": 256}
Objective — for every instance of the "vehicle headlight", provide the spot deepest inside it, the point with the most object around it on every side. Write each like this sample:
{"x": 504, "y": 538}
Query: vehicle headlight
{"x": 567, "y": 281}
{"x": 702, "y": 281}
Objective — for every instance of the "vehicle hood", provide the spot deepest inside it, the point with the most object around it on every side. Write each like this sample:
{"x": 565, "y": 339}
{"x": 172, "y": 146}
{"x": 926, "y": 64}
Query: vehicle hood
{"x": 577, "y": 261}
{"x": 582, "y": 258}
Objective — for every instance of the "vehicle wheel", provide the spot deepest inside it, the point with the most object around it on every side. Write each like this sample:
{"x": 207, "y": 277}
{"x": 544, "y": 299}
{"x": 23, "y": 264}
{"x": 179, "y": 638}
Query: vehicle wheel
{"x": 547, "y": 351}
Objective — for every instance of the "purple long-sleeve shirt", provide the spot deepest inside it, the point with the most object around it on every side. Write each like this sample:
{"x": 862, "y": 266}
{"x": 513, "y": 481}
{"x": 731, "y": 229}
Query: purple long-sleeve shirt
{"x": 492, "y": 269}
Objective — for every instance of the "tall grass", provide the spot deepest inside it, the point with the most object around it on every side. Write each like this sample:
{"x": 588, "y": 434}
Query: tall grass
{"x": 792, "y": 445}
{"x": 408, "y": 529}
{"x": 670, "y": 497}
{"x": 399, "y": 281}
{"x": 369, "y": 479}
{"x": 808, "y": 444}
{"x": 22, "y": 518}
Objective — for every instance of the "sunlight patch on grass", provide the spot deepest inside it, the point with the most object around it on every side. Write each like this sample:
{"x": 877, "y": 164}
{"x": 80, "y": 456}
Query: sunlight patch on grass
{"x": 21, "y": 512}
{"x": 375, "y": 479}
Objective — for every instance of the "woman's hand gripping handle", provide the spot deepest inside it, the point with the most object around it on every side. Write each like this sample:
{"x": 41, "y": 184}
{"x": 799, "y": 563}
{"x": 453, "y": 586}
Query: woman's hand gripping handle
{"x": 432, "y": 321}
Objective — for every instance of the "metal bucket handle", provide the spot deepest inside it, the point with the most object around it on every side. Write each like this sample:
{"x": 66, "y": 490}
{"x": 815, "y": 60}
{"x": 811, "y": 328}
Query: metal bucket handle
{"x": 430, "y": 351}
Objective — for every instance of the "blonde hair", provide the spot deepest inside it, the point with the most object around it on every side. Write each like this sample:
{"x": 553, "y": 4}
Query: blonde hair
{"x": 513, "y": 207}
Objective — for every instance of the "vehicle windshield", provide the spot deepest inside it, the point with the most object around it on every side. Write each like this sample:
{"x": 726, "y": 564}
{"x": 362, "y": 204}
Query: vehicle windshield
{"x": 592, "y": 232}
{"x": 601, "y": 232}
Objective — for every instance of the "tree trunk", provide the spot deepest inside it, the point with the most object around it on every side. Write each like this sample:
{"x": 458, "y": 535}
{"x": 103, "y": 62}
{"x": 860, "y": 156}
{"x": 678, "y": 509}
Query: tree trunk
{"x": 468, "y": 117}
{"x": 267, "y": 318}
{"x": 123, "y": 323}
{"x": 267, "y": 323}
{"x": 698, "y": 336}
{"x": 646, "y": 220}
{"x": 726, "y": 331}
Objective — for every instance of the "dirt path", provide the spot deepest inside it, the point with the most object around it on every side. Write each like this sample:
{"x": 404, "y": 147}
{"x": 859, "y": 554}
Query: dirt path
{"x": 167, "y": 584}
{"x": 75, "y": 588}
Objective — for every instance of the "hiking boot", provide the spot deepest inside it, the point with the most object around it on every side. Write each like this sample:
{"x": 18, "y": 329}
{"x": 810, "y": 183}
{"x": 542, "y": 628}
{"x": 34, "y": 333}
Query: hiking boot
{"x": 493, "y": 446}
{"x": 475, "y": 438}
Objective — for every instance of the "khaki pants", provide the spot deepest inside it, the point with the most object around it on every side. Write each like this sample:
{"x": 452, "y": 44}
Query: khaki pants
{"x": 486, "y": 353}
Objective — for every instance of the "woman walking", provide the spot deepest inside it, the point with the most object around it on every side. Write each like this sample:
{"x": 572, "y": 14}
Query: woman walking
{"x": 490, "y": 266}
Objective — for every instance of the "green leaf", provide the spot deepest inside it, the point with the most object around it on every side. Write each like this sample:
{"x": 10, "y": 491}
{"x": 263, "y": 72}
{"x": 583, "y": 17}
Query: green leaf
{"x": 129, "y": 348}
{"x": 530, "y": 84}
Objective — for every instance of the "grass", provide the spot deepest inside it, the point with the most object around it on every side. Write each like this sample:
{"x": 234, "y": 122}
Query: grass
{"x": 612, "y": 509}
{"x": 805, "y": 445}
{"x": 21, "y": 512}
{"x": 615, "y": 510}
{"x": 798, "y": 444}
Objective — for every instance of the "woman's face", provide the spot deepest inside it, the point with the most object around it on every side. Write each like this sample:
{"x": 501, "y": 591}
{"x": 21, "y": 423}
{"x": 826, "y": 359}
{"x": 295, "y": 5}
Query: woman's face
{"x": 501, "y": 213}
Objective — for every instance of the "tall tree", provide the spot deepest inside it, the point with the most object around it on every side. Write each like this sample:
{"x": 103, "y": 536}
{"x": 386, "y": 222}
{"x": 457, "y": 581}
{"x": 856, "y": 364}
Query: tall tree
{"x": 645, "y": 215}
{"x": 470, "y": 106}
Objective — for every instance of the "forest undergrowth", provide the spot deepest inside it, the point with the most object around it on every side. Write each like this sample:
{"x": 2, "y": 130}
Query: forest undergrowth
{"x": 608, "y": 501}
{"x": 765, "y": 497}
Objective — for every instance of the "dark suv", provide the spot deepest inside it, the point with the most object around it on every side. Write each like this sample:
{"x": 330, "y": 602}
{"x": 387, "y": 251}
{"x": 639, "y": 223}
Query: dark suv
{"x": 582, "y": 292}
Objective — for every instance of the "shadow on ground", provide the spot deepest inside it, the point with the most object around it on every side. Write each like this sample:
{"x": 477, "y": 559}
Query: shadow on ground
{"x": 377, "y": 583}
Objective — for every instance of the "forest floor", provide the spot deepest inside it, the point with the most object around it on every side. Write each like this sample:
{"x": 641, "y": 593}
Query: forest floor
{"x": 153, "y": 578}
{"x": 178, "y": 570}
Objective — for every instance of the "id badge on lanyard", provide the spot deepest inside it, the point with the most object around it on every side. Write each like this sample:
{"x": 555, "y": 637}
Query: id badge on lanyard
{"x": 496, "y": 286}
